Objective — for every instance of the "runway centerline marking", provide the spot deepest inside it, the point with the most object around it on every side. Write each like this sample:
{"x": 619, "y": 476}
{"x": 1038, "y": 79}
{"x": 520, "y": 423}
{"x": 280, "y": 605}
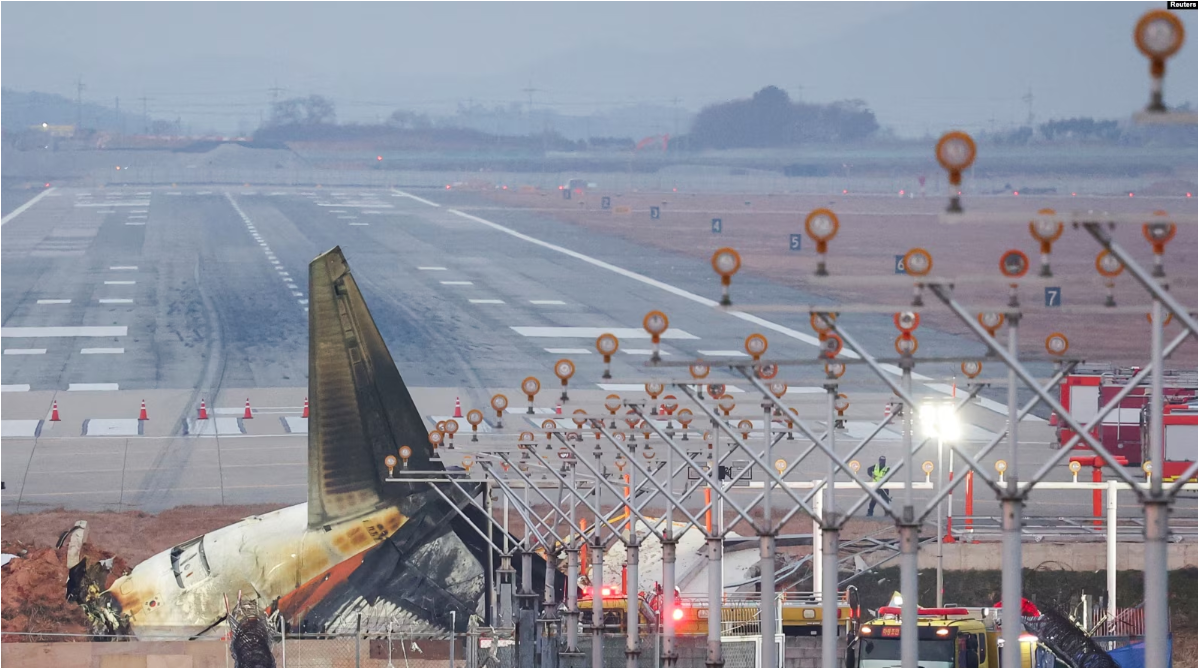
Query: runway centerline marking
{"x": 120, "y": 283}
{"x": 486, "y": 301}
{"x": 115, "y": 301}
{"x": 546, "y": 302}
{"x": 24, "y": 351}
{"x": 74, "y": 387}
{"x": 457, "y": 283}
{"x": 53, "y": 301}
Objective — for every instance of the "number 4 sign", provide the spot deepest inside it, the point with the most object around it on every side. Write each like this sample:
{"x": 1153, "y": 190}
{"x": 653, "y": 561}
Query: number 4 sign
{"x": 717, "y": 226}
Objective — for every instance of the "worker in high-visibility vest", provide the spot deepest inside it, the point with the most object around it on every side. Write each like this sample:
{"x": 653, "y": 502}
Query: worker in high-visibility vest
{"x": 877, "y": 472}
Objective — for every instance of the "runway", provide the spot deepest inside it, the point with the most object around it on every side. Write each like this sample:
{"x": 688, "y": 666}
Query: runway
{"x": 177, "y": 295}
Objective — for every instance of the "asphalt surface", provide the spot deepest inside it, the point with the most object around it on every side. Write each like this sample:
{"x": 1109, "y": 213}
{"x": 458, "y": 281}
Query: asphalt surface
{"x": 460, "y": 292}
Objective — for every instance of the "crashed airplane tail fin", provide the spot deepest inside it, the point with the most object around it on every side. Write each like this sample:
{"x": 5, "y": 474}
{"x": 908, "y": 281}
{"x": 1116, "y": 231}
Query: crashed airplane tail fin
{"x": 360, "y": 410}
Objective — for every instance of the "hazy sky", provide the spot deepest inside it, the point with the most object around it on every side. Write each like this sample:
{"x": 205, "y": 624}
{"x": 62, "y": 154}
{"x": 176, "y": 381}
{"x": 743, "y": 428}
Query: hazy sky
{"x": 920, "y": 66}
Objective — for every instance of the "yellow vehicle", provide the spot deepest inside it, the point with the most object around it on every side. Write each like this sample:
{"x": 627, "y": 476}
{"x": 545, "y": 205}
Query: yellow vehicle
{"x": 949, "y": 637}
{"x": 738, "y": 615}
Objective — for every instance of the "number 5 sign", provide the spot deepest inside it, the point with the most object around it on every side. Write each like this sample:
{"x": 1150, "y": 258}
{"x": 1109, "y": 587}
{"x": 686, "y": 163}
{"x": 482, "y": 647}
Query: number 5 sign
{"x": 795, "y": 242}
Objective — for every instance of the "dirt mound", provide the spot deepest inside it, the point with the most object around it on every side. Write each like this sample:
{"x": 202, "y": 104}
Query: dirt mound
{"x": 33, "y": 597}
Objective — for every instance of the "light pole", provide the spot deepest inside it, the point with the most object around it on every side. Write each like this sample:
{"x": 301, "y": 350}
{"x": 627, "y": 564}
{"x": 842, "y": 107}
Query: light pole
{"x": 941, "y": 421}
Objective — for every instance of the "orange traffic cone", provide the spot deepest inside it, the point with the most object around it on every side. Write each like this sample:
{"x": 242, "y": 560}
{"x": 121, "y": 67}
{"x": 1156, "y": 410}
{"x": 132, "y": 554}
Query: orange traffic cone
{"x": 558, "y": 409}
{"x": 54, "y": 412}
{"x": 203, "y": 410}
{"x": 457, "y": 407}
{"x": 143, "y": 415}
{"x": 248, "y": 414}
{"x": 305, "y": 414}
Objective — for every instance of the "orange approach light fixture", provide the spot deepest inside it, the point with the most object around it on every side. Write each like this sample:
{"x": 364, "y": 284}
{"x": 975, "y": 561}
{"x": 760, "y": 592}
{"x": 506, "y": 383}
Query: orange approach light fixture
{"x": 821, "y": 225}
{"x": 1109, "y": 267}
{"x": 1159, "y": 233}
{"x": 726, "y": 262}
{"x": 1046, "y": 229}
{"x": 1159, "y": 35}
{"x": 655, "y": 323}
{"x": 955, "y": 152}
{"x": 564, "y": 369}
{"x": 531, "y": 386}
{"x": 607, "y": 344}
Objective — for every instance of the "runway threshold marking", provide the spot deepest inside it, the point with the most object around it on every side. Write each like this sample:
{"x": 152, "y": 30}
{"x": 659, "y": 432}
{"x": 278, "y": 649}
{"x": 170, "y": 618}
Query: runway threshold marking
{"x": 21, "y": 209}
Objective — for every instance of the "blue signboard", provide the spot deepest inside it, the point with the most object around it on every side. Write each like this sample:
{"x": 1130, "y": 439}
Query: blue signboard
{"x": 1053, "y": 296}
{"x": 795, "y": 242}
{"x": 717, "y": 226}
{"x": 655, "y": 213}
{"x": 899, "y": 269}
{"x": 605, "y": 202}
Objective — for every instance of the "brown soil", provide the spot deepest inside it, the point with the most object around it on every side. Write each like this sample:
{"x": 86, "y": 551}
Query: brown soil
{"x": 874, "y": 229}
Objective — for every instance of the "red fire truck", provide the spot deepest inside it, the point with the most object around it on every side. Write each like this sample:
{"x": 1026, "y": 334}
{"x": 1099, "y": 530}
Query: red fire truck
{"x": 1124, "y": 430}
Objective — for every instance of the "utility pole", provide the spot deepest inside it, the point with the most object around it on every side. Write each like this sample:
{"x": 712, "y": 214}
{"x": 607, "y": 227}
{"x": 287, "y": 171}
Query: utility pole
{"x": 79, "y": 103}
{"x": 274, "y": 92}
{"x": 529, "y": 110}
{"x": 145, "y": 115}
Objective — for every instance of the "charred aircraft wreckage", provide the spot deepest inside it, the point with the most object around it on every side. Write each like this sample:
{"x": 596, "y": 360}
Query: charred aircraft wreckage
{"x": 391, "y": 551}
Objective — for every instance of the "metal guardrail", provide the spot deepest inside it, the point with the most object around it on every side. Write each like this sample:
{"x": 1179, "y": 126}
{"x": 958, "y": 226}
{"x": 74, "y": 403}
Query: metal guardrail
{"x": 1040, "y": 527}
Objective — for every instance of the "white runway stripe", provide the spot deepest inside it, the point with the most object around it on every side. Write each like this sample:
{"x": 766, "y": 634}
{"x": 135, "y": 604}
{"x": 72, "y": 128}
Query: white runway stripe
{"x": 53, "y": 301}
{"x": 593, "y": 332}
{"x": 725, "y": 354}
{"x": 67, "y": 331}
{"x": 119, "y": 283}
{"x": 14, "y": 388}
{"x": 546, "y": 302}
{"x": 410, "y": 195}
{"x": 640, "y": 387}
{"x": 569, "y": 351}
{"x": 123, "y": 267}
{"x": 93, "y": 386}
{"x": 431, "y": 269}
{"x": 24, "y": 351}
{"x": 115, "y": 301}
{"x": 457, "y": 283}
{"x": 21, "y": 209}
{"x": 100, "y": 351}
{"x": 486, "y": 301}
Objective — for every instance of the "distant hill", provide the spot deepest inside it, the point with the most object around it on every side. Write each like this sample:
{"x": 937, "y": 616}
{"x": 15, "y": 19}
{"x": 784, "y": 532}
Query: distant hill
{"x": 20, "y": 110}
